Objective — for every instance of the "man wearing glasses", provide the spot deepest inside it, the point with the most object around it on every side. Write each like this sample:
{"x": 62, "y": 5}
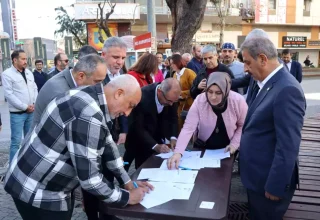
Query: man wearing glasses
{"x": 154, "y": 121}
{"x": 60, "y": 62}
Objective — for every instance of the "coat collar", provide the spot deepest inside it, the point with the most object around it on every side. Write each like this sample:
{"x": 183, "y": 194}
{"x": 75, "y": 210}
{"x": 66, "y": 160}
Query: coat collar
{"x": 262, "y": 94}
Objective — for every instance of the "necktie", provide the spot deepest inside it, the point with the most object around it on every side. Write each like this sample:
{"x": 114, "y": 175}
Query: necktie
{"x": 255, "y": 91}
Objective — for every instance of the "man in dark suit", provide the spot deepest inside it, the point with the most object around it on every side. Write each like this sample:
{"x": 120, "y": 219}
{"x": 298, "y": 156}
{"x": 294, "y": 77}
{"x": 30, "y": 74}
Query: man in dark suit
{"x": 154, "y": 120}
{"x": 271, "y": 132}
{"x": 292, "y": 66}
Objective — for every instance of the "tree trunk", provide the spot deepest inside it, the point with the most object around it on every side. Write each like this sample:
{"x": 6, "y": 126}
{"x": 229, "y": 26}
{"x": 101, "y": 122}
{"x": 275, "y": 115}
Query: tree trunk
{"x": 187, "y": 16}
{"x": 222, "y": 27}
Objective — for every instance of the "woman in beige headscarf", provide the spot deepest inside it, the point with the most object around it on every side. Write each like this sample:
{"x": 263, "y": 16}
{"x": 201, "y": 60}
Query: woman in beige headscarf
{"x": 217, "y": 115}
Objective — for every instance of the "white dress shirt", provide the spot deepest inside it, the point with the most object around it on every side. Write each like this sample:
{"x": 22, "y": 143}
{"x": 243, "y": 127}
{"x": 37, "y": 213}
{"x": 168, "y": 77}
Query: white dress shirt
{"x": 261, "y": 84}
{"x": 112, "y": 76}
{"x": 180, "y": 73}
{"x": 159, "y": 106}
{"x": 289, "y": 65}
{"x": 73, "y": 79}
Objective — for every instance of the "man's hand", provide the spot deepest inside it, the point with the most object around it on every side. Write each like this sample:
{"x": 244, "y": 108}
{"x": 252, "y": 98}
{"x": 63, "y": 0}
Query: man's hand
{"x": 122, "y": 138}
{"x": 173, "y": 143}
{"x": 145, "y": 185}
{"x": 136, "y": 195}
{"x": 230, "y": 148}
{"x": 0, "y": 127}
{"x": 202, "y": 84}
{"x": 271, "y": 197}
{"x": 30, "y": 108}
{"x": 161, "y": 148}
{"x": 174, "y": 161}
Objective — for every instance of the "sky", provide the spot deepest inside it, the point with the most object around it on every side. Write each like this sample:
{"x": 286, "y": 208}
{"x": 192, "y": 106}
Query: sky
{"x": 36, "y": 18}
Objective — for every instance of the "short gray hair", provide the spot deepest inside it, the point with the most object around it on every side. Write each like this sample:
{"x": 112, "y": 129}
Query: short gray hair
{"x": 257, "y": 33}
{"x": 114, "y": 42}
{"x": 88, "y": 64}
{"x": 168, "y": 84}
{"x": 209, "y": 49}
{"x": 186, "y": 55}
{"x": 260, "y": 45}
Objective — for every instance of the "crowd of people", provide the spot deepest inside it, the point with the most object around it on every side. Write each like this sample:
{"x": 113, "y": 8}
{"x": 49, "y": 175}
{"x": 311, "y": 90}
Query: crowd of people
{"x": 72, "y": 120}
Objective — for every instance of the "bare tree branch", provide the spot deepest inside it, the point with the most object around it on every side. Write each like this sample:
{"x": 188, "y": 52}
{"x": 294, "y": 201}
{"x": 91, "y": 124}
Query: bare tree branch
{"x": 102, "y": 22}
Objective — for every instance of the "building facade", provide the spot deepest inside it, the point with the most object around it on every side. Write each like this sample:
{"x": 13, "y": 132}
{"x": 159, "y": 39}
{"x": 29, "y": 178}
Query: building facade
{"x": 292, "y": 24}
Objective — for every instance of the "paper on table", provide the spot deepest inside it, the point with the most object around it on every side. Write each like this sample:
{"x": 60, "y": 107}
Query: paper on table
{"x": 216, "y": 154}
{"x": 182, "y": 191}
{"x": 206, "y": 205}
{"x": 210, "y": 163}
{"x": 186, "y": 154}
{"x": 193, "y": 154}
{"x": 174, "y": 176}
{"x": 157, "y": 196}
{"x": 146, "y": 173}
{"x": 194, "y": 164}
{"x": 172, "y": 191}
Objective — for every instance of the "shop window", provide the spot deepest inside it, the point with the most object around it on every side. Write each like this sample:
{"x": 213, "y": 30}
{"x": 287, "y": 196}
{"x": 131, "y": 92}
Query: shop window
{"x": 272, "y": 4}
{"x": 306, "y": 8}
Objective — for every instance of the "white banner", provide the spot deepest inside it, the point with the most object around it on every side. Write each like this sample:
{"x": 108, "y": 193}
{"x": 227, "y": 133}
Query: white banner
{"x": 88, "y": 11}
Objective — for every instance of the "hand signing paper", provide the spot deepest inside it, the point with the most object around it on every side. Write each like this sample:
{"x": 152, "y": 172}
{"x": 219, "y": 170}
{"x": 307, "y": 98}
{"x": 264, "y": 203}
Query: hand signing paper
{"x": 162, "y": 148}
{"x": 174, "y": 161}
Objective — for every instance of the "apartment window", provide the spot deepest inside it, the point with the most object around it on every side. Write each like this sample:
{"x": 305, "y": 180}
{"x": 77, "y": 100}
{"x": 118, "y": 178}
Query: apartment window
{"x": 272, "y": 4}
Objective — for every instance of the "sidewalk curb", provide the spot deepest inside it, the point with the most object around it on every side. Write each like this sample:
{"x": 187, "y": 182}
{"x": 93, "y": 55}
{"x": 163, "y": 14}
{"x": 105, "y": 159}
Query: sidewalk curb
{"x": 311, "y": 75}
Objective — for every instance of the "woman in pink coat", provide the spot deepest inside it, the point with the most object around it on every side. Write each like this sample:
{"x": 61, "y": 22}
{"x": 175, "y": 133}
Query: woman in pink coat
{"x": 217, "y": 117}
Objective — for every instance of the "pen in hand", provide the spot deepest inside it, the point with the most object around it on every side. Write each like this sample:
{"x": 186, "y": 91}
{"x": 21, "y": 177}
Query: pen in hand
{"x": 135, "y": 185}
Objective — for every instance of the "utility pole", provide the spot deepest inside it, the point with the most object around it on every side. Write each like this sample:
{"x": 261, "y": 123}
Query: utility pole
{"x": 151, "y": 18}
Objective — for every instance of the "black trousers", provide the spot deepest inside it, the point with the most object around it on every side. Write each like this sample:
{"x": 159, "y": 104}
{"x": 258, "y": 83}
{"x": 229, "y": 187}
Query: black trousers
{"x": 29, "y": 212}
{"x": 261, "y": 208}
{"x": 91, "y": 206}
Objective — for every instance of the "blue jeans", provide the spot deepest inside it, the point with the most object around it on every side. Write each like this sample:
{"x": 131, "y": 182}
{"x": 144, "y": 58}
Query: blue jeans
{"x": 19, "y": 123}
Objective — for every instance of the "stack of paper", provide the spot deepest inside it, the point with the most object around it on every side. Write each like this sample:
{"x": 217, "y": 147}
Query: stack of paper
{"x": 194, "y": 163}
{"x": 186, "y": 154}
{"x": 169, "y": 176}
{"x": 172, "y": 191}
{"x": 216, "y": 154}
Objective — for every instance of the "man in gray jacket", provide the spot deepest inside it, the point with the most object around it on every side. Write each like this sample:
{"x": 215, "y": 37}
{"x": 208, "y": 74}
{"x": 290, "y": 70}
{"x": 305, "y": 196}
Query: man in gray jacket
{"x": 21, "y": 92}
{"x": 69, "y": 79}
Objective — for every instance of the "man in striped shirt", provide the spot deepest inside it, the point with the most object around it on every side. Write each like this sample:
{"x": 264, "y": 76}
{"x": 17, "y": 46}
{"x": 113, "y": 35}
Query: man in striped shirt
{"x": 65, "y": 149}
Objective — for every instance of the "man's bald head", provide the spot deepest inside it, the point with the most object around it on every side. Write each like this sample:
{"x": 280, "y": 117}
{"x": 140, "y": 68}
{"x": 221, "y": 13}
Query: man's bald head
{"x": 122, "y": 94}
{"x": 169, "y": 91}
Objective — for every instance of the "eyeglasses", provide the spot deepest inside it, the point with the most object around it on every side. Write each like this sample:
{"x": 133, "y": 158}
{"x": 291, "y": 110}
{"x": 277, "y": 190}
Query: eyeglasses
{"x": 168, "y": 100}
{"x": 65, "y": 61}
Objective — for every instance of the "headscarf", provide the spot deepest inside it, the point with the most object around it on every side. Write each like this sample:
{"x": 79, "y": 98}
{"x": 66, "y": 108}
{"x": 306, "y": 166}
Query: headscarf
{"x": 223, "y": 81}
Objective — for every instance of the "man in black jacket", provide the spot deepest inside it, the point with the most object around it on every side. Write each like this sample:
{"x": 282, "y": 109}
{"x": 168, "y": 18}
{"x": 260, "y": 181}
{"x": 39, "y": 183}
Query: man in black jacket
{"x": 154, "y": 120}
{"x": 210, "y": 58}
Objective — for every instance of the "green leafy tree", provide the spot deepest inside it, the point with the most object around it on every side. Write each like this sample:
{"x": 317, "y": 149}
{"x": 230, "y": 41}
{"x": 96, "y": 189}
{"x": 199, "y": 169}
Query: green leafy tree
{"x": 69, "y": 25}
